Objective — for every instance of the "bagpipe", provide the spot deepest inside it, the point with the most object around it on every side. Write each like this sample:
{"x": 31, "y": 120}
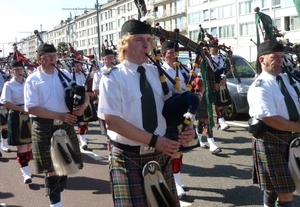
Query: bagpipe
{"x": 20, "y": 57}
{"x": 90, "y": 113}
{"x": 265, "y": 28}
{"x": 180, "y": 106}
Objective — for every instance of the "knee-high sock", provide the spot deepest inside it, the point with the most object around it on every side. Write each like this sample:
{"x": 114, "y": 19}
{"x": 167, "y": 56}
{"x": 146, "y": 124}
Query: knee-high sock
{"x": 177, "y": 164}
{"x": 270, "y": 198}
{"x": 22, "y": 159}
{"x": 82, "y": 129}
{"x": 53, "y": 189}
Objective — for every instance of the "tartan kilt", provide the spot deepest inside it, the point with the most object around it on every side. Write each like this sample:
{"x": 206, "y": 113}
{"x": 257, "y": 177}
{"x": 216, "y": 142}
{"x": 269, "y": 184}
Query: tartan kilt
{"x": 41, "y": 143}
{"x": 270, "y": 158}
{"x": 202, "y": 109}
{"x": 125, "y": 169}
{"x": 217, "y": 98}
{"x": 13, "y": 129}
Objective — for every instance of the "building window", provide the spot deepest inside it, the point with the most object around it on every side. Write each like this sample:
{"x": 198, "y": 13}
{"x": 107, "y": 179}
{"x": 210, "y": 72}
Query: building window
{"x": 287, "y": 3}
{"x": 213, "y": 31}
{"x": 247, "y": 29}
{"x": 193, "y": 35}
{"x": 295, "y": 23}
{"x": 265, "y": 4}
{"x": 181, "y": 23}
{"x": 277, "y": 23}
{"x": 226, "y": 31}
{"x": 205, "y": 15}
{"x": 276, "y": 3}
{"x": 214, "y": 13}
{"x": 195, "y": 18}
{"x": 193, "y": 2}
{"x": 226, "y": 11}
{"x": 247, "y": 6}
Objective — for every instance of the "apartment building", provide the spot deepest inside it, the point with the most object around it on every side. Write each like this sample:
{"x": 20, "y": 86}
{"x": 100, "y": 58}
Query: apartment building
{"x": 232, "y": 21}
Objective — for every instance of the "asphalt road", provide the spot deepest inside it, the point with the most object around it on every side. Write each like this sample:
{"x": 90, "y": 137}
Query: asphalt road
{"x": 213, "y": 180}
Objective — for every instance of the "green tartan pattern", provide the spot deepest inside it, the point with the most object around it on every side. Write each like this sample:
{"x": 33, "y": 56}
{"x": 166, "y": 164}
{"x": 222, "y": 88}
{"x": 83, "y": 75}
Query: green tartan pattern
{"x": 126, "y": 177}
{"x": 270, "y": 158}
{"x": 41, "y": 142}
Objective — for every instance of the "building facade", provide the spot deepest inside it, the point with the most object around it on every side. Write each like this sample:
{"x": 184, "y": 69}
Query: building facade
{"x": 231, "y": 21}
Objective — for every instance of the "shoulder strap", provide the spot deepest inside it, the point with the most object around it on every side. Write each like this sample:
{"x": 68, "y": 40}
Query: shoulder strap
{"x": 108, "y": 71}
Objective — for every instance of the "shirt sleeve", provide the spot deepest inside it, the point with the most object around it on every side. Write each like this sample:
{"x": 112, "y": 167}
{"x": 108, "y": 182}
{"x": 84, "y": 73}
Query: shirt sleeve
{"x": 6, "y": 94}
{"x": 30, "y": 95}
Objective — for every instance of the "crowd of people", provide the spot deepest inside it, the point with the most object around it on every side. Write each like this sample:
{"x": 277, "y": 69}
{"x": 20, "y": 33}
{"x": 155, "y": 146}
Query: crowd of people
{"x": 130, "y": 101}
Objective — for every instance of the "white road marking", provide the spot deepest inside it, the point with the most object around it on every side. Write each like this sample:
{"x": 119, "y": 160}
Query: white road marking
{"x": 236, "y": 124}
{"x": 2, "y": 205}
{"x": 183, "y": 204}
{"x": 91, "y": 154}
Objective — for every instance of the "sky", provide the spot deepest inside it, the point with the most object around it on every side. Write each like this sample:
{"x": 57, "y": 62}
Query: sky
{"x": 19, "y": 18}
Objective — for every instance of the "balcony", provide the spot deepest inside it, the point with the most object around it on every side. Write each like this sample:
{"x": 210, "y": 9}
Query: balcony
{"x": 182, "y": 28}
{"x": 174, "y": 12}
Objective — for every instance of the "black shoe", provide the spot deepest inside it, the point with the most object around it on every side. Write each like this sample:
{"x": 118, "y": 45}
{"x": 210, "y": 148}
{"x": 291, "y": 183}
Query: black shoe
{"x": 185, "y": 188}
{"x": 216, "y": 151}
{"x": 204, "y": 146}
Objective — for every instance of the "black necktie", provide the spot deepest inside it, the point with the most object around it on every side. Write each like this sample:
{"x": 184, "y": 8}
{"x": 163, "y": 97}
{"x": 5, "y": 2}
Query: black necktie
{"x": 148, "y": 103}
{"x": 290, "y": 104}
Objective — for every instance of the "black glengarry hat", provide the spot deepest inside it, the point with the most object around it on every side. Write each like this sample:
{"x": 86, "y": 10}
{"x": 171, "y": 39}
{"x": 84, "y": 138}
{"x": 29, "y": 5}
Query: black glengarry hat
{"x": 135, "y": 27}
{"x": 268, "y": 47}
{"x": 15, "y": 64}
{"x": 166, "y": 45}
{"x": 107, "y": 52}
{"x": 44, "y": 47}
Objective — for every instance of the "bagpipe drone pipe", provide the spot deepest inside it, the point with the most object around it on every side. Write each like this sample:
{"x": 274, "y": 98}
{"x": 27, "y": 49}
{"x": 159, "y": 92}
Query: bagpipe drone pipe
{"x": 270, "y": 33}
{"x": 179, "y": 108}
{"x": 18, "y": 56}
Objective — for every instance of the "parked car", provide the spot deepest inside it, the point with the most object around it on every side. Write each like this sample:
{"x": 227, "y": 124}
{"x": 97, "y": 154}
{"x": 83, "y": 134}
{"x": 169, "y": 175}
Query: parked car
{"x": 238, "y": 91}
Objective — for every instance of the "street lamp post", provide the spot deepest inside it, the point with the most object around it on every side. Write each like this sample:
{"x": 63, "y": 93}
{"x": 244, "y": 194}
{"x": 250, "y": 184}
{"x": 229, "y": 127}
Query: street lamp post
{"x": 97, "y": 8}
{"x": 98, "y": 29}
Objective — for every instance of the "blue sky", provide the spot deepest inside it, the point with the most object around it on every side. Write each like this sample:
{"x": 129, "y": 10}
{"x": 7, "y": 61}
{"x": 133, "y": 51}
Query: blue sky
{"x": 18, "y": 16}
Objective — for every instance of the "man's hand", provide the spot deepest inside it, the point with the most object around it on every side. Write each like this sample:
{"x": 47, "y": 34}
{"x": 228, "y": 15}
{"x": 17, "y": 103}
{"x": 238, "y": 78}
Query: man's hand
{"x": 79, "y": 110}
{"x": 167, "y": 146}
{"x": 186, "y": 136}
{"x": 68, "y": 118}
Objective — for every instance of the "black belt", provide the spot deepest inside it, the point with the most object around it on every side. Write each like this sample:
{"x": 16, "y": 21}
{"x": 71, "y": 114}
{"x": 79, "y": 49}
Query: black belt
{"x": 43, "y": 120}
{"x": 125, "y": 147}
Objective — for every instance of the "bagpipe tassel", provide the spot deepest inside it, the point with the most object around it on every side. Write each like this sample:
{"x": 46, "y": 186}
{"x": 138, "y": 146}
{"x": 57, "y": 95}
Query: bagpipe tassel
{"x": 63, "y": 157}
{"x": 155, "y": 187}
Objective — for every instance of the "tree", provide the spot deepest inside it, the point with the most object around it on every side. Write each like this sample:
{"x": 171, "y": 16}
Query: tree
{"x": 62, "y": 48}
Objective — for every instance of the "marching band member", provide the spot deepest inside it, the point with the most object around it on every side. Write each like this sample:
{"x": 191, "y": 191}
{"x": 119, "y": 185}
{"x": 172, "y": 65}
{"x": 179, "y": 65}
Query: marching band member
{"x": 168, "y": 54}
{"x": 217, "y": 64}
{"x": 4, "y": 146}
{"x": 108, "y": 61}
{"x": 274, "y": 102}
{"x": 82, "y": 126}
{"x": 45, "y": 101}
{"x": 12, "y": 98}
{"x": 203, "y": 116}
{"x": 136, "y": 139}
